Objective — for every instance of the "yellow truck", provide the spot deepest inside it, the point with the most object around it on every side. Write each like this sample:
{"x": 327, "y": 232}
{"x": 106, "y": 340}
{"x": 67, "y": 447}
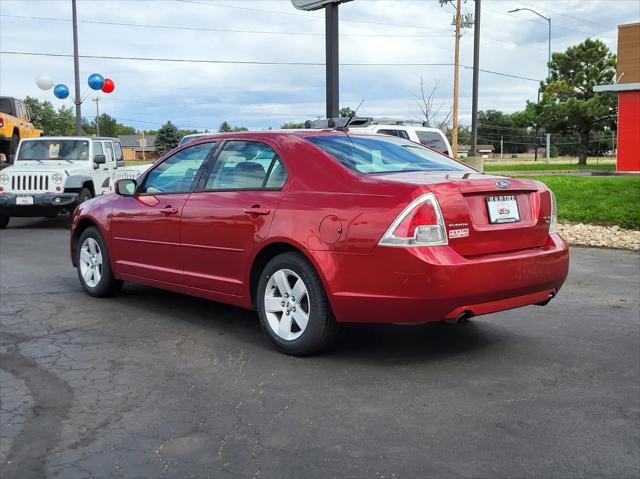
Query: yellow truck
{"x": 15, "y": 124}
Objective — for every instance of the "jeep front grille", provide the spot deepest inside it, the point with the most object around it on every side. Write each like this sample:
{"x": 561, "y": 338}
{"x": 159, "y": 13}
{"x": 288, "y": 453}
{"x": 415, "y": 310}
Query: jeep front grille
{"x": 29, "y": 182}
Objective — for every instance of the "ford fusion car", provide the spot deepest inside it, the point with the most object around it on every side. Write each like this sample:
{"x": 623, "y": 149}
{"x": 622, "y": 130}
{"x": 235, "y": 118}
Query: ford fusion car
{"x": 315, "y": 228}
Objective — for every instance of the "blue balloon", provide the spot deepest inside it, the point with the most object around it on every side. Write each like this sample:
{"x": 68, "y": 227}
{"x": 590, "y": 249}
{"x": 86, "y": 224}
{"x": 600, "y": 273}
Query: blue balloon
{"x": 96, "y": 81}
{"x": 61, "y": 91}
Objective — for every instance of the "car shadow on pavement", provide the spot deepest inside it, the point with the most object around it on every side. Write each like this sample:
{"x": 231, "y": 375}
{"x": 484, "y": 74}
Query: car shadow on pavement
{"x": 369, "y": 343}
{"x": 61, "y": 222}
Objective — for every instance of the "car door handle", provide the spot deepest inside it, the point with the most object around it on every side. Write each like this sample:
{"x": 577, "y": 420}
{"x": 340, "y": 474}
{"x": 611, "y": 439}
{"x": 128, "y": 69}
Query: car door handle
{"x": 168, "y": 210}
{"x": 257, "y": 210}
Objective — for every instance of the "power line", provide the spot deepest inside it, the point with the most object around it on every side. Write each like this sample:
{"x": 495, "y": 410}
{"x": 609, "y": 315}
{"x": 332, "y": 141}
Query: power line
{"x": 302, "y": 15}
{"x": 223, "y": 30}
{"x": 260, "y": 62}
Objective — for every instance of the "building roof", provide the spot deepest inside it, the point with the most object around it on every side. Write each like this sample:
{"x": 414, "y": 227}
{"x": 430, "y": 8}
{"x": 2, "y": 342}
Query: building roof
{"x": 133, "y": 141}
{"x": 617, "y": 87}
{"x": 485, "y": 148}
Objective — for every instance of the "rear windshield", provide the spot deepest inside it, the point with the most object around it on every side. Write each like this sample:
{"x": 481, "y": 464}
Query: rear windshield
{"x": 384, "y": 155}
{"x": 42, "y": 150}
{"x": 432, "y": 139}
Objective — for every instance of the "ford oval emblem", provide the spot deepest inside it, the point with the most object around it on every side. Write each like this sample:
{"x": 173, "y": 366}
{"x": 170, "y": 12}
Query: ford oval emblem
{"x": 503, "y": 184}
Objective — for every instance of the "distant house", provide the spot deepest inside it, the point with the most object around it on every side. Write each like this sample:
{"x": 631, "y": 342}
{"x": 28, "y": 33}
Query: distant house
{"x": 485, "y": 151}
{"x": 137, "y": 147}
{"x": 463, "y": 151}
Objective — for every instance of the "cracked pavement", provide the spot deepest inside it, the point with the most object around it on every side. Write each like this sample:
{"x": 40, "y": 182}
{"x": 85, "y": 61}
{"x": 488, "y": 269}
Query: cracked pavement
{"x": 151, "y": 384}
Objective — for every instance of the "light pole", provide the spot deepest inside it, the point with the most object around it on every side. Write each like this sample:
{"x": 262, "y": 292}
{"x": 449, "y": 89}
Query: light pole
{"x": 548, "y": 19}
{"x": 76, "y": 68}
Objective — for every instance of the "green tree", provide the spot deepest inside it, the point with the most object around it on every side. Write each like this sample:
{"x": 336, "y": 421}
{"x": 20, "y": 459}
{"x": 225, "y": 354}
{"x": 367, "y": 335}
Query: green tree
{"x": 292, "y": 125}
{"x": 167, "y": 138}
{"x": 225, "y": 127}
{"x": 494, "y": 126}
{"x": 109, "y": 126}
{"x": 52, "y": 122}
{"x": 569, "y": 103}
{"x": 346, "y": 112}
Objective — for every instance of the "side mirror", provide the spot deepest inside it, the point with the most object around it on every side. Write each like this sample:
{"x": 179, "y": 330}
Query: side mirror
{"x": 99, "y": 160}
{"x": 126, "y": 187}
{"x": 12, "y": 159}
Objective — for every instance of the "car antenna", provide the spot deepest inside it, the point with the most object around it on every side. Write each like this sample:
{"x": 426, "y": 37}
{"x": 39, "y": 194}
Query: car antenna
{"x": 353, "y": 115}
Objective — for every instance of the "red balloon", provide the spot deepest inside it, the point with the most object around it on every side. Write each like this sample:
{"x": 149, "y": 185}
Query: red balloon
{"x": 108, "y": 86}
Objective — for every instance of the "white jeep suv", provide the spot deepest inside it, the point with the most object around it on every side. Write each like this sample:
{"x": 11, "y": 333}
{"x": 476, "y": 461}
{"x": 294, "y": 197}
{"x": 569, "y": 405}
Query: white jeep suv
{"x": 50, "y": 175}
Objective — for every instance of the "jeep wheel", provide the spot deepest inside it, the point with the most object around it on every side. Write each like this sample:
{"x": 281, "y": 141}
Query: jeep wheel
{"x": 94, "y": 267}
{"x": 85, "y": 195}
{"x": 15, "y": 140}
{"x": 293, "y": 306}
{"x": 4, "y": 221}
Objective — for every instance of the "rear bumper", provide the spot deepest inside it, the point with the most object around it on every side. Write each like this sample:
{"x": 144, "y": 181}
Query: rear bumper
{"x": 44, "y": 204}
{"x": 417, "y": 285}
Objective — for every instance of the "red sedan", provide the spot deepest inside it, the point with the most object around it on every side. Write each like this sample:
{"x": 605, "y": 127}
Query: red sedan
{"x": 314, "y": 228}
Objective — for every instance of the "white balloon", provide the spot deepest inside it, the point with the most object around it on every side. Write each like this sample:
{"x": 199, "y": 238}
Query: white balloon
{"x": 44, "y": 82}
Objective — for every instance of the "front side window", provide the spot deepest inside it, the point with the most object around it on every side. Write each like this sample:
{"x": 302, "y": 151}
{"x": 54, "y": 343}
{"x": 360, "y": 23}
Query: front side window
{"x": 56, "y": 149}
{"x": 176, "y": 173}
{"x": 109, "y": 151}
{"x": 97, "y": 149}
{"x": 118, "y": 150}
{"x": 384, "y": 155}
{"x": 246, "y": 165}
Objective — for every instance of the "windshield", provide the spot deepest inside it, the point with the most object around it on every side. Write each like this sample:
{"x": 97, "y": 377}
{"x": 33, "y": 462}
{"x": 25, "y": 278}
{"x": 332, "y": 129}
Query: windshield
{"x": 39, "y": 150}
{"x": 384, "y": 155}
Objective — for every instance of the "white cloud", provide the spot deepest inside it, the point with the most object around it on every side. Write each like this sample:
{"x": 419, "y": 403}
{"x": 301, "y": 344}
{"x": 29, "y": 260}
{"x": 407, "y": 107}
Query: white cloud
{"x": 203, "y": 95}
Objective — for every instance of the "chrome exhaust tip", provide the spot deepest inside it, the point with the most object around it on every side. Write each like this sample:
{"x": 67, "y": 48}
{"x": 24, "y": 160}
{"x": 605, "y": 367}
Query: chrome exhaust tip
{"x": 464, "y": 316}
{"x": 548, "y": 300}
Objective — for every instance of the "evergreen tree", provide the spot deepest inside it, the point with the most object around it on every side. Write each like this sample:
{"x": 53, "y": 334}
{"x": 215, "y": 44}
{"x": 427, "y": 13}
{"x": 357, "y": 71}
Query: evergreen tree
{"x": 167, "y": 138}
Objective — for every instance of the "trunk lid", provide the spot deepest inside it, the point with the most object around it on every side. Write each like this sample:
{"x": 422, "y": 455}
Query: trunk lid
{"x": 463, "y": 201}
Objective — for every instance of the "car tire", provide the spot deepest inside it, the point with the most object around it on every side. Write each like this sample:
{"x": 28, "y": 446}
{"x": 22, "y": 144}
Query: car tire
{"x": 15, "y": 140}
{"x": 4, "y": 221}
{"x": 85, "y": 194}
{"x": 94, "y": 266}
{"x": 283, "y": 316}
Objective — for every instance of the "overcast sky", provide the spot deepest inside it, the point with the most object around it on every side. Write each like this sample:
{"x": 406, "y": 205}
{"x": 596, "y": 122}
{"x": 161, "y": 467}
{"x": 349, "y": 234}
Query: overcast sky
{"x": 202, "y": 95}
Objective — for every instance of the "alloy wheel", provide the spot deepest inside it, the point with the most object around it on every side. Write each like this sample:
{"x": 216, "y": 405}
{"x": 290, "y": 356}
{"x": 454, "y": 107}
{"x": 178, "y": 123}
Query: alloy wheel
{"x": 91, "y": 262}
{"x": 287, "y": 305}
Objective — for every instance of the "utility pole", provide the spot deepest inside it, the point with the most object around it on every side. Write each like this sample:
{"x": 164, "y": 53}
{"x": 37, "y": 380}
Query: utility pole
{"x": 476, "y": 79}
{"x": 456, "y": 80}
{"x": 332, "y": 60}
{"x": 97, "y": 100}
{"x": 76, "y": 69}
{"x": 501, "y": 146}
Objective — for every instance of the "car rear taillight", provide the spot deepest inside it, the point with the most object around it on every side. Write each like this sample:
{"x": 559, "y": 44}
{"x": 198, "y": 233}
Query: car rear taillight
{"x": 553, "y": 223}
{"x": 1, "y": 123}
{"x": 420, "y": 224}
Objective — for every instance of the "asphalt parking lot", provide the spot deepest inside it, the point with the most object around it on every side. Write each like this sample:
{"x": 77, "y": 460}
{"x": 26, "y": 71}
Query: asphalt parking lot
{"x": 154, "y": 384}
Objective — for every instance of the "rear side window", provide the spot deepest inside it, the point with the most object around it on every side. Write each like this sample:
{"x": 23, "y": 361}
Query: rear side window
{"x": 398, "y": 133}
{"x": 176, "y": 173}
{"x": 246, "y": 165}
{"x": 432, "y": 140}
